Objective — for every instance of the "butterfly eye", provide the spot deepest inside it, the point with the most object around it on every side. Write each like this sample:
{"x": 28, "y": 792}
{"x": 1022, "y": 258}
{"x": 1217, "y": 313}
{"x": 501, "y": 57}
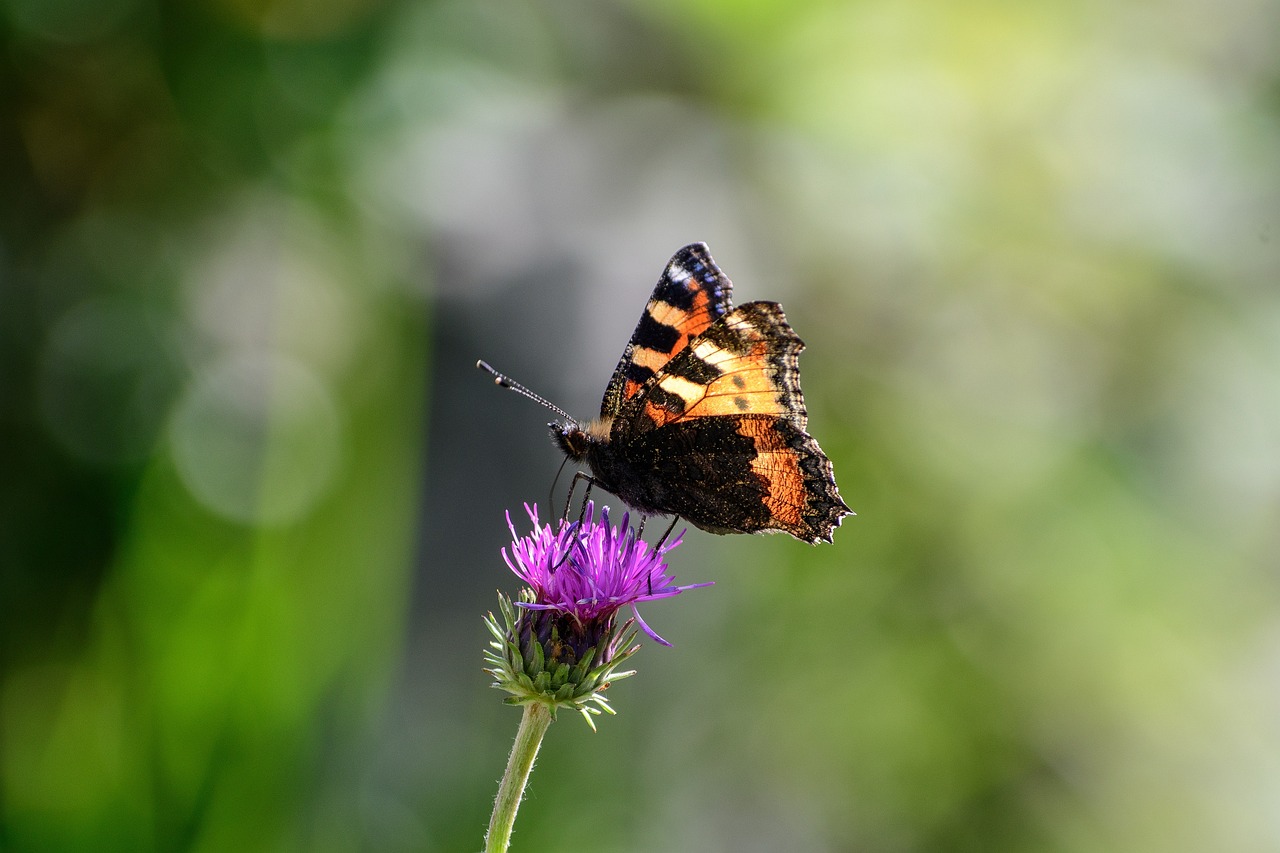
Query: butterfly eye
{"x": 571, "y": 440}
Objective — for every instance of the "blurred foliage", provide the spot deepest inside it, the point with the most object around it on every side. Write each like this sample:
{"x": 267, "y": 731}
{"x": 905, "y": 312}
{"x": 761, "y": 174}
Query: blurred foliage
{"x": 253, "y": 489}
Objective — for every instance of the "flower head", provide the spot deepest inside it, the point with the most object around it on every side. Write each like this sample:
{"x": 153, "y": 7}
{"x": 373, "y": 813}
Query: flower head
{"x": 561, "y": 644}
{"x": 592, "y": 570}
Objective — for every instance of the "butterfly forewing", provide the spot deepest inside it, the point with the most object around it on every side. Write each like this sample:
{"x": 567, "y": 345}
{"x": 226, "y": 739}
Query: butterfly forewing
{"x": 691, "y": 295}
{"x": 745, "y": 364}
{"x": 725, "y": 421}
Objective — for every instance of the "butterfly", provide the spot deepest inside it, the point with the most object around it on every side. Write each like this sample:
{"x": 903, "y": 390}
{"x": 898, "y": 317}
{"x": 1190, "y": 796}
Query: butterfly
{"x": 703, "y": 418}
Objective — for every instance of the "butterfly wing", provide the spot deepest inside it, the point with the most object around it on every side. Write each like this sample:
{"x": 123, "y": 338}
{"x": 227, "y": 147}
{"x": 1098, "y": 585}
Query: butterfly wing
{"x": 691, "y": 295}
{"x": 721, "y": 431}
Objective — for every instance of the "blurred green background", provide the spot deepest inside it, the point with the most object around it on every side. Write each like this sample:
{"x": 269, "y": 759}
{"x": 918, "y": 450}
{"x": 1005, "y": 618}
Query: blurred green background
{"x": 253, "y": 486}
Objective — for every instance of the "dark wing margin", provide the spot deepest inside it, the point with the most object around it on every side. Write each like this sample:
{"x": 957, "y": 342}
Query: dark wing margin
{"x": 691, "y": 295}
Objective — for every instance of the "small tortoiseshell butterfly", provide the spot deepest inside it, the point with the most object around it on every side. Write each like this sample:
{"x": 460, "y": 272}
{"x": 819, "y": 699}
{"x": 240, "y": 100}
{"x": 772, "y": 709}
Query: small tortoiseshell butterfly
{"x": 703, "y": 418}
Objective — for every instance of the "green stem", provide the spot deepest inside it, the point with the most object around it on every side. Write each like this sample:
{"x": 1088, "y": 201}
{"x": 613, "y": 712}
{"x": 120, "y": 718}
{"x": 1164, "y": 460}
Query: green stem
{"x": 533, "y": 725}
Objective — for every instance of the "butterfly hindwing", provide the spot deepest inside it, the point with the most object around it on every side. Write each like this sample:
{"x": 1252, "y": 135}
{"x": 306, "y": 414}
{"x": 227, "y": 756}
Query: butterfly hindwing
{"x": 691, "y": 295}
{"x": 750, "y": 474}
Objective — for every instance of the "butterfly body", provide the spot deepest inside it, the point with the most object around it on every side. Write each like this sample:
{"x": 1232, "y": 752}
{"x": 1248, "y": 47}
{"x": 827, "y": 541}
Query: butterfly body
{"x": 704, "y": 418}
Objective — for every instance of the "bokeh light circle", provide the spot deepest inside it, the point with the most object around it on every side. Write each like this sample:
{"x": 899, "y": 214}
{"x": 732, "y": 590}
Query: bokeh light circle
{"x": 257, "y": 439}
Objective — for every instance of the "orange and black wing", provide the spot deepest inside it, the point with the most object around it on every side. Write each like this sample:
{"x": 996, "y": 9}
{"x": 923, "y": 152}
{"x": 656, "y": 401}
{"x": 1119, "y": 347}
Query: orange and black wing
{"x": 722, "y": 428}
{"x": 691, "y": 295}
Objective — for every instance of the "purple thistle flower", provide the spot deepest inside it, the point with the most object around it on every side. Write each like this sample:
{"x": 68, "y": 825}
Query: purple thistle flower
{"x": 587, "y": 572}
{"x": 558, "y": 643}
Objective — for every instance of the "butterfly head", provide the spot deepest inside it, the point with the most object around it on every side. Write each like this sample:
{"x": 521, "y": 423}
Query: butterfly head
{"x": 576, "y": 440}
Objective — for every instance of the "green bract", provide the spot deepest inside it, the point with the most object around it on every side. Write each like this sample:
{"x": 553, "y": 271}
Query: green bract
{"x": 542, "y": 656}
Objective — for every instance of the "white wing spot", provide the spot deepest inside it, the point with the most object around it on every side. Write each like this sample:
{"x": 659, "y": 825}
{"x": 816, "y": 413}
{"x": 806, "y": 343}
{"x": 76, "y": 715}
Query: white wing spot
{"x": 705, "y": 350}
{"x": 688, "y": 391}
{"x": 712, "y": 354}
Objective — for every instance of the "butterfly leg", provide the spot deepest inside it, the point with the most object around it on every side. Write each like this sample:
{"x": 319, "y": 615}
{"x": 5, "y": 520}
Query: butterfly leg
{"x": 586, "y": 495}
{"x": 640, "y": 532}
{"x": 568, "y": 504}
{"x": 640, "y": 535}
{"x": 670, "y": 527}
{"x": 560, "y": 562}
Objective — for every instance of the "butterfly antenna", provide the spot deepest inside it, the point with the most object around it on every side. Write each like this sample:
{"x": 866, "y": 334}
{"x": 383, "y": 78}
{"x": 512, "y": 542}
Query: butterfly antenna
{"x": 507, "y": 382}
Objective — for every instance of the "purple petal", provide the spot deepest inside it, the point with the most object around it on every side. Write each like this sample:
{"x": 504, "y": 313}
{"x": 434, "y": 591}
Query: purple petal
{"x": 645, "y": 627}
